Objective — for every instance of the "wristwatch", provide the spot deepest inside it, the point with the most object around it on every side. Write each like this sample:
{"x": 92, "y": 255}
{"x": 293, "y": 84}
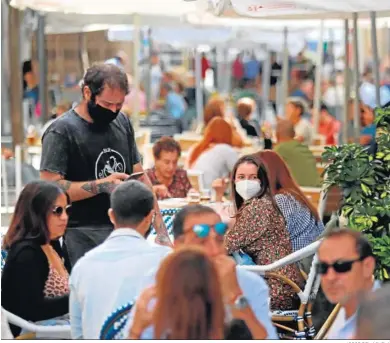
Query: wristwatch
{"x": 241, "y": 303}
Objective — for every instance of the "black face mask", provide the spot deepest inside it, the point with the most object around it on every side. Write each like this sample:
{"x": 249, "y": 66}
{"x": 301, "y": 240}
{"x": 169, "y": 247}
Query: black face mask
{"x": 101, "y": 116}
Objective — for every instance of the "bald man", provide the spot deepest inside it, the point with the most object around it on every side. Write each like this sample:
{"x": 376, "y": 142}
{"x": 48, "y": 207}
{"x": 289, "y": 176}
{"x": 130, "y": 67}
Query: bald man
{"x": 297, "y": 156}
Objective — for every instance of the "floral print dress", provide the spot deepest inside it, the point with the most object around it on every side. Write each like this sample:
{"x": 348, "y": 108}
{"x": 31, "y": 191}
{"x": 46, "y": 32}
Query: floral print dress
{"x": 178, "y": 188}
{"x": 260, "y": 231}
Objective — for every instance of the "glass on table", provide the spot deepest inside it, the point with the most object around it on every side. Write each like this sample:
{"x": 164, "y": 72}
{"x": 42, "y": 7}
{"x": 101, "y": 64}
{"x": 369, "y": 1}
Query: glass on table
{"x": 205, "y": 196}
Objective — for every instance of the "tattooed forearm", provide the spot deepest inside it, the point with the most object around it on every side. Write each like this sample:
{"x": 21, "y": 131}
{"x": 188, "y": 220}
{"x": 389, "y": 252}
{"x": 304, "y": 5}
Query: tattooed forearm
{"x": 97, "y": 188}
{"x": 64, "y": 184}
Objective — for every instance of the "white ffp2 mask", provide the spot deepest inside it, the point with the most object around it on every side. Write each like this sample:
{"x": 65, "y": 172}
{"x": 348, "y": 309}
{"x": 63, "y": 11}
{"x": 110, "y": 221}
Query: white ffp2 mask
{"x": 247, "y": 189}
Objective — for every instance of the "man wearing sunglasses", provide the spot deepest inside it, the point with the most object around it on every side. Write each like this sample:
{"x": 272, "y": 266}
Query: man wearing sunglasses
{"x": 201, "y": 225}
{"x": 346, "y": 265}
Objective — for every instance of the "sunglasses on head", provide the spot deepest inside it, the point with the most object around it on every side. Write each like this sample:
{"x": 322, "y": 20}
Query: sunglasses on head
{"x": 338, "y": 266}
{"x": 59, "y": 210}
{"x": 203, "y": 230}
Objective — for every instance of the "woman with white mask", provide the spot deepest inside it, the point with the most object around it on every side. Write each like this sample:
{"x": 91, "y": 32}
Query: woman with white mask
{"x": 260, "y": 229}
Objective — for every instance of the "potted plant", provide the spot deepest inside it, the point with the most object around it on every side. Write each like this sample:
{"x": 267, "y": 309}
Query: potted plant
{"x": 363, "y": 174}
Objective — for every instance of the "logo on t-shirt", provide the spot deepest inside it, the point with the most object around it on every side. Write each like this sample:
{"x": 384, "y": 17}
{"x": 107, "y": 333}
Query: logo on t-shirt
{"x": 108, "y": 162}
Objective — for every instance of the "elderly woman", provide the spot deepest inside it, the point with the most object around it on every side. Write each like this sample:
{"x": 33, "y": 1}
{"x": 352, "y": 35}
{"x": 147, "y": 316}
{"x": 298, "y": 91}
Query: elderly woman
{"x": 167, "y": 179}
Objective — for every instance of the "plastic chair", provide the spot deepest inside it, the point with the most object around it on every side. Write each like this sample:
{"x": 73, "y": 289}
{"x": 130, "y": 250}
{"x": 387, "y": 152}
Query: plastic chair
{"x": 114, "y": 324}
{"x": 168, "y": 217}
{"x": 196, "y": 179}
{"x": 38, "y": 331}
{"x": 302, "y": 316}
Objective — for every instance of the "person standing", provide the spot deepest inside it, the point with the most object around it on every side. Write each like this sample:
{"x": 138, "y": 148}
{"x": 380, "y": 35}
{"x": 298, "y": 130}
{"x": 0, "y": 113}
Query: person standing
{"x": 89, "y": 151}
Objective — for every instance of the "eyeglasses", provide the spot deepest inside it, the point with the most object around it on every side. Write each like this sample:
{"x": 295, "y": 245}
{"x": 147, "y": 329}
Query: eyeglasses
{"x": 338, "y": 266}
{"x": 59, "y": 210}
{"x": 203, "y": 230}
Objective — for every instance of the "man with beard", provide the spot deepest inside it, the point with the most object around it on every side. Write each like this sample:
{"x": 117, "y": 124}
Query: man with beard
{"x": 89, "y": 151}
{"x": 108, "y": 275}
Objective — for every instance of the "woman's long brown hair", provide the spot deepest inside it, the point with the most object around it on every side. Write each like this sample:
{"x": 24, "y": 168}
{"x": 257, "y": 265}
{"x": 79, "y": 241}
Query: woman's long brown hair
{"x": 218, "y": 131}
{"x": 213, "y": 109}
{"x": 189, "y": 299}
{"x": 280, "y": 179}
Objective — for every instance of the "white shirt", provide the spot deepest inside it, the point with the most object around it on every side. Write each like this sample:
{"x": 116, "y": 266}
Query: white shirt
{"x": 107, "y": 277}
{"x": 304, "y": 129}
{"x": 215, "y": 163}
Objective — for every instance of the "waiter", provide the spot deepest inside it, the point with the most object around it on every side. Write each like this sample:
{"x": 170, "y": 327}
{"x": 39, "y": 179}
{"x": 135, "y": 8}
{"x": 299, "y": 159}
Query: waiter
{"x": 88, "y": 151}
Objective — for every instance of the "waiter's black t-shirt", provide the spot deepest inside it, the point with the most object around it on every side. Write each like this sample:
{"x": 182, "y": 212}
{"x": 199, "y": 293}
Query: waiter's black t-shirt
{"x": 74, "y": 148}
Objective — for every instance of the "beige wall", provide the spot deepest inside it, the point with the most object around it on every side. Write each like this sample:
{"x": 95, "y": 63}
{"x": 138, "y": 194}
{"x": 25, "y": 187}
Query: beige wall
{"x": 64, "y": 55}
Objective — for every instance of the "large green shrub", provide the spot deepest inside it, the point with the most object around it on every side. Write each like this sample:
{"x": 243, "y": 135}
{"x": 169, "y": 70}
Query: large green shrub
{"x": 364, "y": 177}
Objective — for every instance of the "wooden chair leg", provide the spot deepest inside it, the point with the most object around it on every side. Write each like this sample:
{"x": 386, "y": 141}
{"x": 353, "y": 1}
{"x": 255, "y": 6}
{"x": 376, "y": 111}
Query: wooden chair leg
{"x": 27, "y": 336}
{"x": 328, "y": 323}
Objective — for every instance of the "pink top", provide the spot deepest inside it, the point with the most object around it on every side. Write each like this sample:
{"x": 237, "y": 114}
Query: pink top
{"x": 130, "y": 100}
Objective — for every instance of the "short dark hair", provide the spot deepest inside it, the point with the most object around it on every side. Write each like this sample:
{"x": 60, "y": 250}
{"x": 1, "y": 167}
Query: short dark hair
{"x": 186, "y": 211}
{"x": 131, "y": 202}
{"x": 29, "y": 221}
{"x": 100, "y": 75}
{"x": 298, "y": 104}
{"x": 363, "y": 246}
{"x": 165, "y": 144}
{"x": 323, "y": 107}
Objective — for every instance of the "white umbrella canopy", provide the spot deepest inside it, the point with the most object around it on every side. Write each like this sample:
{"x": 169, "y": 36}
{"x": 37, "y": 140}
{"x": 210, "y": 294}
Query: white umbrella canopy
{"x": 169, "y": 8}
{"x": 298, "y": 9}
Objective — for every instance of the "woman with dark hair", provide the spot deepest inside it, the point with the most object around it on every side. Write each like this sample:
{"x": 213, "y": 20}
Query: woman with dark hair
{"x": 302, "y": 219}
{"x": 260, "y": 229}
{"x": 35, "y": 277}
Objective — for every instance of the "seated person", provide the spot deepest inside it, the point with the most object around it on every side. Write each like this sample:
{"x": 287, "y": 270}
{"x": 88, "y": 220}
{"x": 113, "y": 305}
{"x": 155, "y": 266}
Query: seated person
{"x": 216, "y": 108}
{"x": 297, "y": 156}
{"x": 346, "y": 265}
{"x": 174, "y": 102}
{"x": 295, "y": 111}
{"x": 252, "y": 286}
{"x": 214, "y": 155}
{"x": 245, "y": 107}
{"x": 302, "y": 220}
{"x": 167, "y": 179}
{"x": 106, "y": 276}
{"x": 198, "y": 290}
{"x": 35, "y": 279}
{"x": 368, "y": 127}
{"x": 260, "y": 229}
{"x": 328, "y": 126}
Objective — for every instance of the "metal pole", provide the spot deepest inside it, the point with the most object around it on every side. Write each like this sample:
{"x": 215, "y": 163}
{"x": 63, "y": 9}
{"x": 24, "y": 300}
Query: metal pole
{"x": 199, "y": 90}
{"x": 266, "y": 83}
{"x": 15, "y": 76}
{"x": 317, "y": 88}
{"x": 148, "y": 69}
{"x": 346, "y": 82}
{"x": 356, "y": 113}
{"x": 18, "y": 170}
{"x": 42, "y": 61}
{"x": 375, "y": 57}
{"x": 285, "y": 70}
{"x": 136, "y": 75}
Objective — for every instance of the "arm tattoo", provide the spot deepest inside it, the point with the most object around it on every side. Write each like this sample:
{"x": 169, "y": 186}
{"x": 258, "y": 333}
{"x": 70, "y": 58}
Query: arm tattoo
{"x": 64, "y": 184}
{"x": 97, "y": 188}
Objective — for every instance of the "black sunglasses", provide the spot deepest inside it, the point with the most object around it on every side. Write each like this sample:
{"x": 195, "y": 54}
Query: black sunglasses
{"x": 58, "y": 210}
{"x": 338, "y": 266}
